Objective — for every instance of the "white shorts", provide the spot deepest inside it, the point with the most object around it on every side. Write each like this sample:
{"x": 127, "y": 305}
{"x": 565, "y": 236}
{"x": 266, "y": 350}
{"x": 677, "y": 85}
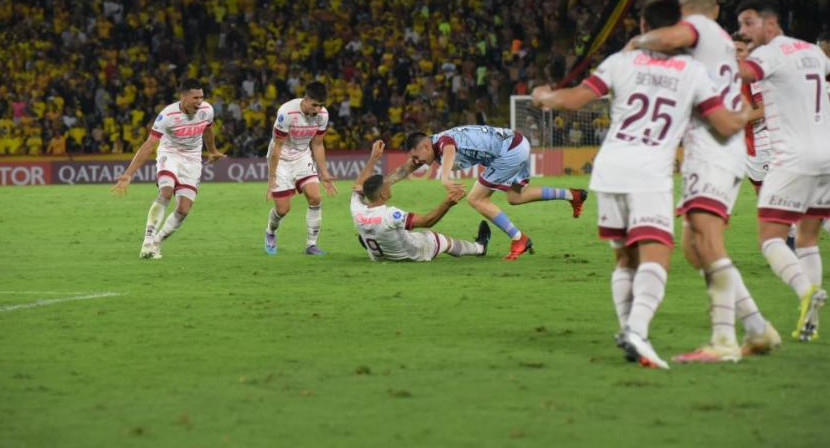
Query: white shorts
{"x": 179, "y": 173}
{"x": 628, "y": 218}
{"x": 292, "y": 175}
{"x": 788, "y": 197}
{"x": 427, "y": 246}
{"x": 757, "y": 166}
{"x": 431, "y": 245}
{"x": 708, "y": 187}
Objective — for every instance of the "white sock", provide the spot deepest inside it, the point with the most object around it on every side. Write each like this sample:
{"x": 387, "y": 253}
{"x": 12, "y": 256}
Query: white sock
{"x": 155, "y": 216}
{"x": 747, "y": 310}
{"x": 721, "y": 286}
{"x": 621, "y": 280}
{"x": 460, "y": 248}
{"x": 171, "y": 224}
{"x": 313, "y": 217}
{"x": 785, "y": 265}
{"x": 649, "y": 287}
{"x": 273, "y": 221}
{"x": 825, "y": 224}
{"x": 810, "y": 261}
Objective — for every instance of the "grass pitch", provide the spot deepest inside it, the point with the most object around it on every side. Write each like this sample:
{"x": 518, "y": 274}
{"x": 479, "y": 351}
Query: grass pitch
{"x": 219, "y": 345}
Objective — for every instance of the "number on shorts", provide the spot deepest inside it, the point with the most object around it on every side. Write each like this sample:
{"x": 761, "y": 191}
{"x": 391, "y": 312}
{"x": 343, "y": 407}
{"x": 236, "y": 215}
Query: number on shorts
{"x": 374, "y": 247}
{"x": 690, "y": 184}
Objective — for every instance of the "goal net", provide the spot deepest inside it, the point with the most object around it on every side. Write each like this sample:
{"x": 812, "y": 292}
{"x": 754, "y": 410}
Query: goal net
{"x": 548, "y": 129}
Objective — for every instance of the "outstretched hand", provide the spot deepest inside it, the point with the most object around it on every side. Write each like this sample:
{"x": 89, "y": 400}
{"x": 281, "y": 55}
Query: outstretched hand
{"x": 377, "y": 149}
{"x": 213, "y": 156}
{"x": 328, "y": 184}
{"x": 120, "y": 187}
{"x": 455, "y": 195}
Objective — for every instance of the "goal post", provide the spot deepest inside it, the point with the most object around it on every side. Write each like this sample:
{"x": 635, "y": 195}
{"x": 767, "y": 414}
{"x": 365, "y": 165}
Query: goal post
{"x": 585, "y": 127}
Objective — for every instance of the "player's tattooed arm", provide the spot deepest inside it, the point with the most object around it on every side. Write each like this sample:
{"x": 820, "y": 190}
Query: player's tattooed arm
{"x": 669, "y": 39}
{"x": 401, "y": 172}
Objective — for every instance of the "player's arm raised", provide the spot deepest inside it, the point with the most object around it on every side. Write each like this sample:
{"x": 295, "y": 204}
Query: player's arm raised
{"x": 318, "y": 151}
{"x": 377, "y": 152}
{"x": 210, "y": 143}
{"x": 545, "y": 97}
{"x": 430, "y": 219}
{"x": 273, "y": 163}
{"x": 140, "y": 157}
{"x": 668, "y": 39}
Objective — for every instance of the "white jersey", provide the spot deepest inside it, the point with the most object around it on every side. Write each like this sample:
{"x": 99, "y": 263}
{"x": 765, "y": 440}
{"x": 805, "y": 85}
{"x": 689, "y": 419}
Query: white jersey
{"x": 797, "y": 110}
{"x": 386, "y": 231}
{"x": 181, "y": 134}
{"x": 653, "y": 97}
{"x": 297, "y": 129}
{"x": 715, "y": 50}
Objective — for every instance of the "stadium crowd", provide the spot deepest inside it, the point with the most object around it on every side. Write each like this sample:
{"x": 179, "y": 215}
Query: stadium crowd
{"x": 89, "y": 76}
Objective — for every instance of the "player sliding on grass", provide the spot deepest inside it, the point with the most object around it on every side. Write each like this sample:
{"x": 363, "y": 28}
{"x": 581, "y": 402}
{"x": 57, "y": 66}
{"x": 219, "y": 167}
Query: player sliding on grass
{"x": 713, "y": 170}
{"x": 792, "y": 75}
{"x": 653, "y": 96}
{"x": 385, "y": 230}
{"x": 178, "y": 133}
{"x": 506, "y": 156}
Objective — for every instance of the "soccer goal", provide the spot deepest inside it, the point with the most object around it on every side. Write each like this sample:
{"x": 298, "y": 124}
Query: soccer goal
{"x": 547, "y": 129}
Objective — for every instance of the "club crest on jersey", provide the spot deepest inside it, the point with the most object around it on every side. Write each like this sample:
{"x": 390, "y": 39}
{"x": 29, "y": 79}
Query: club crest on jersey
{"x": 281, "y": 118}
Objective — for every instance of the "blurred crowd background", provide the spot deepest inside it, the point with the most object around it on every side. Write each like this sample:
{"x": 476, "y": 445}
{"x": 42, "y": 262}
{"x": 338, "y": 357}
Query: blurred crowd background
{"x": 90, "y": 76}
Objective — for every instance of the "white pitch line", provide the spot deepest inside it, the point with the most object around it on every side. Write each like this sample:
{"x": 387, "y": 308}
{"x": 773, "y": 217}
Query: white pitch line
{"x": 46, "y": 302}
{"x": 42, "y": 292}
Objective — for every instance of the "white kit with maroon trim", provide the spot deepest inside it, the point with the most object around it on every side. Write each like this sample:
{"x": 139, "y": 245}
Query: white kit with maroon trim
{"x": 181, "y": 134}
{"x": 297, "y": 129}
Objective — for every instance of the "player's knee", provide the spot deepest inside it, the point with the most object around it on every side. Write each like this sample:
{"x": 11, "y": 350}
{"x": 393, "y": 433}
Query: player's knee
{"x": 166, "y": 192}
{"x": 314, "y": 201}
{"x": 514, "y": 199}
{"x": 283, "y": 209}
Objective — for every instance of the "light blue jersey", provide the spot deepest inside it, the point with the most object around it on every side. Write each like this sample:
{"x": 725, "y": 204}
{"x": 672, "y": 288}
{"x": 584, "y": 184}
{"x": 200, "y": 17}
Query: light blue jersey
{"x": 474, "y": 145}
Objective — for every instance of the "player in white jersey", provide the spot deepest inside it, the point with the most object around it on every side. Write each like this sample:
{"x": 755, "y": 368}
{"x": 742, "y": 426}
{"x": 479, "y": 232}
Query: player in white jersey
{"x": 179, "y": 132}
{"x": 713, "y": 170}
{"x": 385, "y": 231}
{"x": 792, "y": 74}
{"x": 758, "y": 149}
{"x": 295, "y": 153}
{"x": 654, "y": 96}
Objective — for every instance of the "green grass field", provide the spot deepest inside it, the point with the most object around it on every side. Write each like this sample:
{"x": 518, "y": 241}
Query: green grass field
{"x": 219, "y": 345}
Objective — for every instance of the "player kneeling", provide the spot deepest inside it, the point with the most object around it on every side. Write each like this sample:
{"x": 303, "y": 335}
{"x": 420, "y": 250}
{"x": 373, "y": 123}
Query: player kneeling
{"x": 385, "y": 231}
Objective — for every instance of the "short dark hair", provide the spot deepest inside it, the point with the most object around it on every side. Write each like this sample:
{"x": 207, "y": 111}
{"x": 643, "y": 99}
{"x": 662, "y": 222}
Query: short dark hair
{"x": 316, "y": 90}
{"x": 764, "y": 8}
{"x": 372, "y": 186}
{"x": 190, "y": 84}
{"x": 413, "y": 139}
{"x": 738, "y": 37}
{"x": 660, "y": 13}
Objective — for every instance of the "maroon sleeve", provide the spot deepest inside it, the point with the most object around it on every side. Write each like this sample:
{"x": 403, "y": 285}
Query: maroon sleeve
{"x": 410, "y": 218}
{"x": 596, "y": 84}
{"x": 710, "y": 105}
{"x": 444, "y": 140}
{"x": 280, "y": 134}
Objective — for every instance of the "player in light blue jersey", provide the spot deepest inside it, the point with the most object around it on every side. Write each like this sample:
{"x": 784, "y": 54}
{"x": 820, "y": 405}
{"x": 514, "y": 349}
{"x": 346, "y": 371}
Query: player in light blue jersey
{"x": 505, "y": 155}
